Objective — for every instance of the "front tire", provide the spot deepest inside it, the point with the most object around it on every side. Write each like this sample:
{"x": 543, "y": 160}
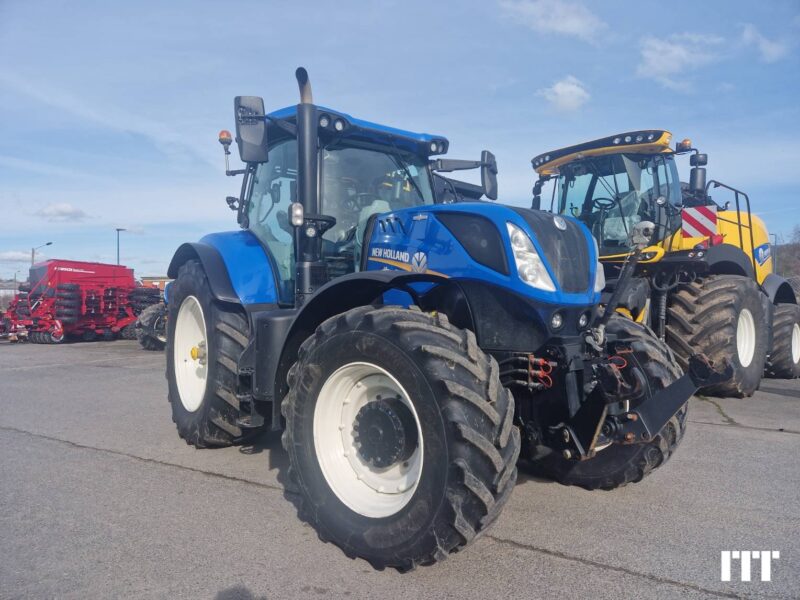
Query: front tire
{"x": 620, "y": 464}
{"x": 721, "y": 316}
{"x": 426, "y": 427}
{"x": 784, "y": 356}
{"x": 204, "y": 342}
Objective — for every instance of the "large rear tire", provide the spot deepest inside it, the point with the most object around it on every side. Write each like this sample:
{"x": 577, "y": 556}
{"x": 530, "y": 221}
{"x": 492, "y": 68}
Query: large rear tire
{"x": 721, "y": 316}
{"x": 400, "y": 436}
{"x": 204, "y": 342}
{"x": 783, "y": 361}
{"x": 620, "y": 464}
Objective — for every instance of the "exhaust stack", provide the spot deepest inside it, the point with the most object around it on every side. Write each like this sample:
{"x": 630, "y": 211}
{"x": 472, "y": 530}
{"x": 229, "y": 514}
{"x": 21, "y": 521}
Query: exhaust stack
{"x": 306, "y": 97}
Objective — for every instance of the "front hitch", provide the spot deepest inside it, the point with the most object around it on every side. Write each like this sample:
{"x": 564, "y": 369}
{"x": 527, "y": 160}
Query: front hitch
{"x": 592, "y": 427}
{"x": 653, "y": 413}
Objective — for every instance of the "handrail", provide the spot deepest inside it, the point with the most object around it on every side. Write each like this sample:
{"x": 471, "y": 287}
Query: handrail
{"x": 736, "y": 194}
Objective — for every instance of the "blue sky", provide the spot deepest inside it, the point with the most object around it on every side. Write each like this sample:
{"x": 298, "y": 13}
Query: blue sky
{"x": 109, "y": 111}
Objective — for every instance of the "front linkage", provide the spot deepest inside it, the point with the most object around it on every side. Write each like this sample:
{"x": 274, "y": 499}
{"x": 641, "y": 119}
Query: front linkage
{"x": 593, "y": 426}
{"x": 622, "y": 383}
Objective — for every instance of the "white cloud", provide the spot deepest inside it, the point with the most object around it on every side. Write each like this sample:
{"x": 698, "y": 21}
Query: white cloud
{"x": 555, "y": 16}
{"x": 668, "y": 59}
{"x": 769, "y": 50}
{"x": 61, "y": 212}
{"x": 15, "y": 256}
{"x": 566, "y": 95}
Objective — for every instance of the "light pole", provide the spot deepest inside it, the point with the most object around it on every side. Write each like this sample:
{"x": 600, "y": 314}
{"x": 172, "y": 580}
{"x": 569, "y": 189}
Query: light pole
{"x": 774, "y": 237}
{"x": 118, "y": 230}
{"x": 33, "y": 251}
{"x": 15, "y": 279}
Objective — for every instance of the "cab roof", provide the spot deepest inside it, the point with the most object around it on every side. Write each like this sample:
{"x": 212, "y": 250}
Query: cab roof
{"x": 366, "y": 131}
{"x": 646, "y": 141}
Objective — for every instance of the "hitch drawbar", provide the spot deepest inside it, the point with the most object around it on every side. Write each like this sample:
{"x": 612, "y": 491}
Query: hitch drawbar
{"x": 654, "y": 413}
{"x": 592, "y": 427}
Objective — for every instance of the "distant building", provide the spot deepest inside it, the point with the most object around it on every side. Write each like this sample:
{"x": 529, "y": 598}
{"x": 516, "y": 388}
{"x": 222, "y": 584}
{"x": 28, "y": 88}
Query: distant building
{"x": 155, "y": 282}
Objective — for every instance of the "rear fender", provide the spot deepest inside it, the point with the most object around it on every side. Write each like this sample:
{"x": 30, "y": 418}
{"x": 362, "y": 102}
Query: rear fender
{"x": 239, "y": 270}
{"x": 778, "y": 289}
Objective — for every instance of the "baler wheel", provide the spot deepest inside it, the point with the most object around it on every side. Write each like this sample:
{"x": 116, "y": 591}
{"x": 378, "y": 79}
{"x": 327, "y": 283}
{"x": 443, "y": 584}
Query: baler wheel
{"x": 400, "y": 436}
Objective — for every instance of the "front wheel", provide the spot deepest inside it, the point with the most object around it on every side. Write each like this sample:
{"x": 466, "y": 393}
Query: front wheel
{"x": 400, "y": 436}
{"x": 721, "y": 316}
{"x": 204, "y": 342}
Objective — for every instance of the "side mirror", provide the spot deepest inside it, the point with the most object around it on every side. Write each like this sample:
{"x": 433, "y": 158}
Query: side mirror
{"x": 489, "y": 174}
{"x": 698, "y": 160}
{"x": 251, "y": 128}
{"x": 536, "y": 203}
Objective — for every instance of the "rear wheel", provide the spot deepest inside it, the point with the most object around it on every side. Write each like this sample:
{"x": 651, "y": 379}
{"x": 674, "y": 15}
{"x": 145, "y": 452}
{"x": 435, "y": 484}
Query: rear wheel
{"x": 784, "y": 356}
{"x": 721, "y": 316}
{"x": 204, "y": 342}
{"x": 620, "y": 464}
{"x": 400, "y": 436}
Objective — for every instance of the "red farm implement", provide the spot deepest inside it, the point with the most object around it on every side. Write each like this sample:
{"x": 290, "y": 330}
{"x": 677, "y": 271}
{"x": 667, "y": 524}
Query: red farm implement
{"x": 79, "y": 300}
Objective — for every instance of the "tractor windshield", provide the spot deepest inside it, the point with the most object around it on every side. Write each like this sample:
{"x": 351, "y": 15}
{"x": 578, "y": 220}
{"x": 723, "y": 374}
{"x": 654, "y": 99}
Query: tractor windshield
{"x": 358, "y": 182}
{"x": 612, "y": 193}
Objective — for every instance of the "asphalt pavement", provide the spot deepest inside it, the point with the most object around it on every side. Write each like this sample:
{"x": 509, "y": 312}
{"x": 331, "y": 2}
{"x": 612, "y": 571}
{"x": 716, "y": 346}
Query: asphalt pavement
{"x": 99, "y": 498}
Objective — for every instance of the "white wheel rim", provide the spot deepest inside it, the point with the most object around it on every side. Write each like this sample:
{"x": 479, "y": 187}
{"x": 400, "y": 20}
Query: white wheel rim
{"x": 368, "y": 490}
{"x": 746, "y": 337}
{"x": 796, "y": 343}
{"x": 191, "y": 368}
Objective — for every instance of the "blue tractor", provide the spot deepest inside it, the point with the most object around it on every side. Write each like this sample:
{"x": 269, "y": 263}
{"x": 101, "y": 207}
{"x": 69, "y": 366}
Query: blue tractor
{"x": 410, "y": 347}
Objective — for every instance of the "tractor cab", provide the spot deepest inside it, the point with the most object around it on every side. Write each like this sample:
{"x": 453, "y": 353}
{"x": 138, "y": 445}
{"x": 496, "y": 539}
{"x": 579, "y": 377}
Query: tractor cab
{"x": 315, "y": 178}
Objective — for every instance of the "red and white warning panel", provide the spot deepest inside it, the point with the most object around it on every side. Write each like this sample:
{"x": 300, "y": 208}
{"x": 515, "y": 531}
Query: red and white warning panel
{"x": 699, "y": 221}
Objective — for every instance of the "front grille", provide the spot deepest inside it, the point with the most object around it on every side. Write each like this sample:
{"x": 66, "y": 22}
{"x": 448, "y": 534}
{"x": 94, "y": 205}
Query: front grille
{"x": 566, "y": 252}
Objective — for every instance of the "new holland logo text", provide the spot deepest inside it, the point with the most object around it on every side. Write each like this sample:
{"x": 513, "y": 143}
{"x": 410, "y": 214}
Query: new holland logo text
{"x": 392, "y": 254}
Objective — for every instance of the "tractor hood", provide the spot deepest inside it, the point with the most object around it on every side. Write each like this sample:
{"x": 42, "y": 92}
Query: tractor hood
{"x": 538, "y": 255}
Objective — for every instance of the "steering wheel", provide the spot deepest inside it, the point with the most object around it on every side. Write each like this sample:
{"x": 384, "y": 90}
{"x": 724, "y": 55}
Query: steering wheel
{"x": 604, "y": 203}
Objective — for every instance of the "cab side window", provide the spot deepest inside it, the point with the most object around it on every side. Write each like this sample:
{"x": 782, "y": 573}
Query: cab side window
{"x": 274, "y": 183}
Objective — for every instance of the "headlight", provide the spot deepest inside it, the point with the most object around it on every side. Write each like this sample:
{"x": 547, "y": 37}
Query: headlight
{"x": 600, "y": 275}
{"x": 529, "y": 265}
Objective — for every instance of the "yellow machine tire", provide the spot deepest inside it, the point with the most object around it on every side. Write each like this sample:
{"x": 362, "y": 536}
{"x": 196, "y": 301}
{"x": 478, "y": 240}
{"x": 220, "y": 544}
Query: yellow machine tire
{"x": 783, "y": 361}
{"x": 709, "y": 315}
